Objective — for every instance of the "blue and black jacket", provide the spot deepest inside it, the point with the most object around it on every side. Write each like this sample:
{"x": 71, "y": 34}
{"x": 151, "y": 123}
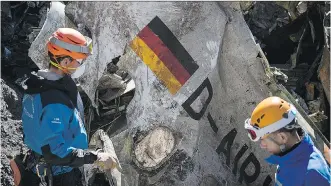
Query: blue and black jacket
{"x": 53, "y": 123}
{"x": 302, "y": 166}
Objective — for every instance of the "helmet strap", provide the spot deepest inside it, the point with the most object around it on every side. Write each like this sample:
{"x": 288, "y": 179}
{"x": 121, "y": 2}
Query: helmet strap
{"x": 62, "y": 68}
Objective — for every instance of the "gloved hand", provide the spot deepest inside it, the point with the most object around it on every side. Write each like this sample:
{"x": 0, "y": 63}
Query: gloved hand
{"x": 106, "y": 161}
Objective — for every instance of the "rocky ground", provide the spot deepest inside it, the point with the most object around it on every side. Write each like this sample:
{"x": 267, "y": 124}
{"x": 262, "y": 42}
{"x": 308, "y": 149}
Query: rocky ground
{"x": 11, "y": 129}
{"x": 20, "y": 22}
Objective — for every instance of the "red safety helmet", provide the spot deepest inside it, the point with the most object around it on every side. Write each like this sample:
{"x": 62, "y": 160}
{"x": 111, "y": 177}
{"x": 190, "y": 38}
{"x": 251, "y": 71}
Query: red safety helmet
{"x": 69, "y": 42}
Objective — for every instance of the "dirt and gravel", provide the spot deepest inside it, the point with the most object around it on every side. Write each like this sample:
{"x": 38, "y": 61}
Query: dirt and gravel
{"x": 11, "y": 129}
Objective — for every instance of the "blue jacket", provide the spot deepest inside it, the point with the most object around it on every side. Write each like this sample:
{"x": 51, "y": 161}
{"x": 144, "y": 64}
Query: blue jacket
{"x": 303, "y": 166}
{"x": 53, "y": 126}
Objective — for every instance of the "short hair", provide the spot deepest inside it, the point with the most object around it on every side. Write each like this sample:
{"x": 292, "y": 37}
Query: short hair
{"x": 293, "y": 127}
{"x": 56, "y": 59}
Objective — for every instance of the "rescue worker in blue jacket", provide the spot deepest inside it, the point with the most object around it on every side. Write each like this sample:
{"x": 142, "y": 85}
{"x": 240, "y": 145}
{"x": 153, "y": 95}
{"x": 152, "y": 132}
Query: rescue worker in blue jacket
{"x": 274, "y": 123}
{"x": 53, "y": 117}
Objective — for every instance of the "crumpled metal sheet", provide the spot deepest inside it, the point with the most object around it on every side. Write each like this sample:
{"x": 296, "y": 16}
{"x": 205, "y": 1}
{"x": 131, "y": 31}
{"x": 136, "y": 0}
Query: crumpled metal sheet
{"x": 279, "y": 75}
{"x": 111, "y": 80}
{"x": 100, "y": 140}
{"x": 111, "y": 28}
{"x": 231, "y": 66}
{"x": 261, "y": 17}
{"x": 294, "y": 8}
{"x": 55, "y": 19}
{"x": 324, "y": 72}
{"x": 326, "y": 23}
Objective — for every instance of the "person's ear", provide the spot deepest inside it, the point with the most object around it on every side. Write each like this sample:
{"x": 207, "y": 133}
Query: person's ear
{"x": 282, "y": 137}
{"x": 65, "y": 62}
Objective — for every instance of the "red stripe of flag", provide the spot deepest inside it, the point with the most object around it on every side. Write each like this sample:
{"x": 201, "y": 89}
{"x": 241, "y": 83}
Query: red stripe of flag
{"x": 164, "y": 54}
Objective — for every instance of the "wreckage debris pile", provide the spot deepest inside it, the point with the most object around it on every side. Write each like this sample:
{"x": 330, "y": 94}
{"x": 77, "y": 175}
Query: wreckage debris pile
{"x": 114, "y": 93}
{"x": 20, "y": 24}
{"x": 295, "y": 39}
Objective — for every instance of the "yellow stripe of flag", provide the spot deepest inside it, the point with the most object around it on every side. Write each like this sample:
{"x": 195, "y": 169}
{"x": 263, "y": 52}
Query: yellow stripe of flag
{"x": 156, "y": 65}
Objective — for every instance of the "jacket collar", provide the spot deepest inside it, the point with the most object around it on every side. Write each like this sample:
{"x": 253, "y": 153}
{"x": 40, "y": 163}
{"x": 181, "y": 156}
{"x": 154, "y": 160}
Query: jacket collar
{"x": 49, "y": 75}
{"x": 303, "y": 150}
{"x": 55, "y": 81}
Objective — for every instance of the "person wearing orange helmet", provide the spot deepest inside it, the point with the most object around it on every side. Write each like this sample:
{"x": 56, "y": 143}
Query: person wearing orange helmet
{"x": 53, "y": 118}
{"x": 274, "y": 123}
{"x": 67, "y": 50}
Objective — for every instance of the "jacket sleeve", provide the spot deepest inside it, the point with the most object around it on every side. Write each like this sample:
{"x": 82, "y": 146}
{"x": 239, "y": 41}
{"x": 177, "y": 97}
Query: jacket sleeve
{"x": 313, "y": 177}
{"x": 55, "y": 118}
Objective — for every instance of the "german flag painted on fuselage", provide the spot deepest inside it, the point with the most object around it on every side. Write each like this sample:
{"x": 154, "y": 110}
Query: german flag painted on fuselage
{"x": 161, "y": 51}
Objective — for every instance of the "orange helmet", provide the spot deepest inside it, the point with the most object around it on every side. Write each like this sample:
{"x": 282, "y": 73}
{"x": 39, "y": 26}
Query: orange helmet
{"x": 69, "y": 42}
{"x": 270, "y": 115}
